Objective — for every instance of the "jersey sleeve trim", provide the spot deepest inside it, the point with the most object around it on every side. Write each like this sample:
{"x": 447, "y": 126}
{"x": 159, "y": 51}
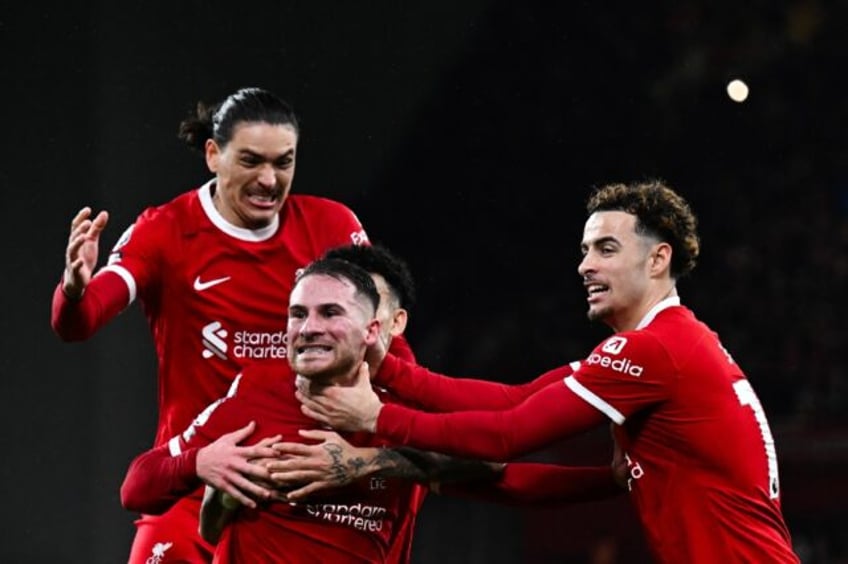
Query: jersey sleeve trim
{"x": 126, "y": 276}
{"x": 174, "y": 446}
{"x": 594, "y": 400}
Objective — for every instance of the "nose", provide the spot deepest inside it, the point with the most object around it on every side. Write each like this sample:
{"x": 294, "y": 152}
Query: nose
{"x": 585, "y": 265}
{"x": 310, "y": 325}
{"x": 267, "y": 178}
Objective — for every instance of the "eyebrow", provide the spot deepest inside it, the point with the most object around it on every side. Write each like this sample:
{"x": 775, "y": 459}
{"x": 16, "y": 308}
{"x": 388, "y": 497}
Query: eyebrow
{"x": 252, "y": 153}
{"x": 600, "y": 241}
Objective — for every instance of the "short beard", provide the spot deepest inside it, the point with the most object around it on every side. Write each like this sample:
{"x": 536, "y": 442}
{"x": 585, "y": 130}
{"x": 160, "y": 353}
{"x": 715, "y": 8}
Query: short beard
{"x": 598, "y": 314}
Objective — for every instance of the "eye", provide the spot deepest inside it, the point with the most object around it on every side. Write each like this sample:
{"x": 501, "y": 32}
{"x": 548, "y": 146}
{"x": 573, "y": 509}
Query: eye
{"x": 250, "y": 160}
{"x": 284, "y": 163}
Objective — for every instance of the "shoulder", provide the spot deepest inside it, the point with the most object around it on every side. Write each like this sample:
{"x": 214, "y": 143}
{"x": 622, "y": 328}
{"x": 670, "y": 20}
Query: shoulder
{"x": 629, "y": 352}
{"x": 331, "y": 222}
{"x": 318, "y": 205}
{"x": 165, "y": 214}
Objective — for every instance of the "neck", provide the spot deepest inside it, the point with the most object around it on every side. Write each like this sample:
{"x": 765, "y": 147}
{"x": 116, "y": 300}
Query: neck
{"x": 630, "y": 320}
{"x": 314, "y": 384}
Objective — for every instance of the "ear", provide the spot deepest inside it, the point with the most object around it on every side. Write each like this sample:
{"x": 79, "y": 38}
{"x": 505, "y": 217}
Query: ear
{"x": 213, "y": 153}
{"x": 399, "y": 321}
{"x": 660, "y": 259}
{"x": 372, "y": 334}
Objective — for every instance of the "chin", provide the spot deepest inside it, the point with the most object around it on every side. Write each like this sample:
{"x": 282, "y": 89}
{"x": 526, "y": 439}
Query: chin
{"x": 310, "y": 369}
{"x": 599, "y": 314}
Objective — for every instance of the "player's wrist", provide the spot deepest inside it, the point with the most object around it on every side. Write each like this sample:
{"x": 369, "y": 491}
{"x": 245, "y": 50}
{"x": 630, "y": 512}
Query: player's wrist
{"x": 70, "y": 290}
{"x": 371, "y": 423}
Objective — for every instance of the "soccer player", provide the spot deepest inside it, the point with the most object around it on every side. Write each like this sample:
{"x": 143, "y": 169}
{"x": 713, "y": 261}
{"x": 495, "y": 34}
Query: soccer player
{"x": 703, "y": 465}
{"x": 213, "y": 269}
{"x": 331, "y": 321}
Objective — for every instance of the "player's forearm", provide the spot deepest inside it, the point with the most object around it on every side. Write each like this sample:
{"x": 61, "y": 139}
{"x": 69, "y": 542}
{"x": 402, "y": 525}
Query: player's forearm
{"x": 156, "y": 480}
{"x": 439, "y": 393}
{"x": 76, "y": 320}
{"x": 551, "y": 414}
{"x": 364, "y": 461}
{"x": 529, "y": 483}
{"x": 442, "y": 468}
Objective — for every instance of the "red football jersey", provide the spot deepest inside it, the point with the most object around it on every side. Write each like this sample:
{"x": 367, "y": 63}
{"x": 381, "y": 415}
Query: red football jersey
{"x": 216, "y": 295}
{"x": 702, "y": 458}
{"x": 351, "y": 524}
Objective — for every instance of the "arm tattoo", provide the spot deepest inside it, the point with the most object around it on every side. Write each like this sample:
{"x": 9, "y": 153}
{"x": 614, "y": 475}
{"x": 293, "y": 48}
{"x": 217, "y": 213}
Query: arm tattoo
{"x": 409, "y": 464}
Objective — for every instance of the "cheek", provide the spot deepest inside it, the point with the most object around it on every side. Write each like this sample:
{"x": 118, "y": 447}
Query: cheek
{"x": 284, "y": 178}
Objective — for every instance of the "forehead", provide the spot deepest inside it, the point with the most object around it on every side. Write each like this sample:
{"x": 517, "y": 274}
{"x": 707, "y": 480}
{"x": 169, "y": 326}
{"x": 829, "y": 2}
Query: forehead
{"x": 321, "y": 289}
{"x": 609, "y": 224}
{"x": 261, "y": 138}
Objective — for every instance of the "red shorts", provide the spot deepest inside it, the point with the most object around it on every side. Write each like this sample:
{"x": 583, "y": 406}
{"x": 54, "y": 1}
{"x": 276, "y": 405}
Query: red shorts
{"x": 172, "y": 537}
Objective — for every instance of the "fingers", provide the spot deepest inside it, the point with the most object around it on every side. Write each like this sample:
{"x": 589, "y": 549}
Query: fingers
{"x": 81, "y": 216}
{"x": 238, "y": 435}
{"x": 320, "y": 435}
{"x": 269, "y": 441}
{"x": 314, "y": 414}
{"x": 246, "y": 499}
{"x": 307, "y": 490}
{"x": 292, "y": 449}
{"x": 99, "y": 223}
{"x": 311, "y": 408}
{"x": 295, "y": 477}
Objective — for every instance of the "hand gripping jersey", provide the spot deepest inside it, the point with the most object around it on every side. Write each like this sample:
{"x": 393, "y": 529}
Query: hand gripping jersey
{"x": 351, "y": 524}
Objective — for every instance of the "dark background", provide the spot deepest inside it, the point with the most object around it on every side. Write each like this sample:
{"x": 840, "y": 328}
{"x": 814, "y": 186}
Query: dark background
{"x": 467, "y": 137}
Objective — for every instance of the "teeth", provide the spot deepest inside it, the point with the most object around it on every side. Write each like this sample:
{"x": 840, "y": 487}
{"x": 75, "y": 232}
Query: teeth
{"x": 595, "y": 288}
{"x": 314, "y": 348}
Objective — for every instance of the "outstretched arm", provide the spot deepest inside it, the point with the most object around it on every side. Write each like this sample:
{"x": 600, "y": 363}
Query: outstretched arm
{"x": 537, "y": 484}
{"x": 553, "y": 413}
{"x": 434, "y": 392}
{"x": 334, "y": 462}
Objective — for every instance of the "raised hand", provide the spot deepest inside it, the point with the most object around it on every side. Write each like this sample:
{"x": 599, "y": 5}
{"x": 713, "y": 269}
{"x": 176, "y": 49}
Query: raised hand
{"x": 81, "y": 253}
{"x": 228, "y": 467}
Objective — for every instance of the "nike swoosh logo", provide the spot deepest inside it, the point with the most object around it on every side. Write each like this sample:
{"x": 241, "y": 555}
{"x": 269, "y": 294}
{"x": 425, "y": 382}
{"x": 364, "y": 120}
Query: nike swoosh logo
{"x": 200, "y": 286}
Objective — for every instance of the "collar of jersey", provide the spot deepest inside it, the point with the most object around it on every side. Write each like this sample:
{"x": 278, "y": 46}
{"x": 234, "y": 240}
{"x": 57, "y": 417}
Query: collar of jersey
{"x": 652, "y": 313}
{"x": 263, "y": 234}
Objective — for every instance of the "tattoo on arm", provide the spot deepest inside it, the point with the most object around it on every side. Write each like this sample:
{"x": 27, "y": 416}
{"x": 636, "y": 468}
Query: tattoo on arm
{"x": 426, "y": 466}
{"x": 406, "y": 463}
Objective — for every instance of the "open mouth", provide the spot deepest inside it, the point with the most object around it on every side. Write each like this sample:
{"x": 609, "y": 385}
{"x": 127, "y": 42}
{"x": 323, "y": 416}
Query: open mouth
{"x": 263, "y": 200}
{"x": 596, "y": 290}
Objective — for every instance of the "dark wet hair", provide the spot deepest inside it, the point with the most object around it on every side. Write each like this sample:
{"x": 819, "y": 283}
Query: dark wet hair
{"x": 660, "y": 213}
{"x": 377, "y": 259}
{"x": 218, "y": 121}
{"x": 343, "y": 270}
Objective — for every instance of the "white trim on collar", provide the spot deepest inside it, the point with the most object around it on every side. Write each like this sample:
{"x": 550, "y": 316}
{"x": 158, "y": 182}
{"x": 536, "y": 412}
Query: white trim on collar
{"x": 263, "y": 234}
{"x": 664, "y": 304}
